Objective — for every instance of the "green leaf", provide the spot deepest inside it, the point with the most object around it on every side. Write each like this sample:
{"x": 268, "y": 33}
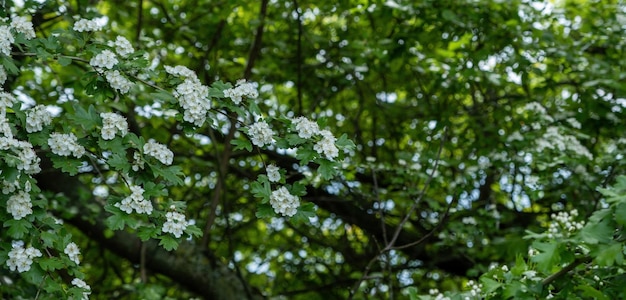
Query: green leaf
{"x": 172, "y": 174}
{"x": 594, "y": 233}
{"x": 304, "y": 212}
{"x": 66, "y": 164}
{"x": 345, "y": 143}
{"x": 164, "y": 96}
{"x": 64, "y": 61}
{"x": 591, "y": 293}
{"x": 294, "y": 139}
{"x": 242, "y": 144}
{"x": 116, "y": 222}
{"x": 193, "y": 230}
{"x": 265, "y": 211}
{"x": 87, "y": 119}
{"x": 9, "y": 66}
{"x": 261, "y": 188}
{"x": 168, "y": 242}
{"x": 148, "y": 232}
{"x": 489, "y": 285}
{"x": 326, "y": 169}
{"x": 298, "y": 189}
{"x": 119, "y": 162}
{"x": 18, "y": 228}
{"x": 51, "y": 263}
{"x": 548, "y": 257}
{"x": 305, "y": 155}
{"x": 607, "y": 256}
{"x": 217, "y": 89}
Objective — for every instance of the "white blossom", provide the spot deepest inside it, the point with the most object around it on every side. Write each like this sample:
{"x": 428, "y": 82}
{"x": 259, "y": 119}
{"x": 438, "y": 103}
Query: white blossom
{"x": 283, "y": 202}
{"x": 175, "y": 223}
{"x": 122, "y": 46}
{"x": 326, "y": 145}
{"x": 21, "y": 25}
{"x": 118, "y": 81}
{"x": 180, "y": 71}
{"x": 84, "y": 25}
{"x": 73, "y": 252}
{"x": 65, "y": 145}
{"x": 135, "y": 201}
{"x": 113, "y": 123}
{"x": 273, "y": 173}
{"x": 21, "y": 258}
{"x": 3, "y": 75}
{"x": 193, "y": 97}
{"x": 19, "y": 205}
{"x": 105, "y": 59}
{"x": 36, "y": 118}
{"x": 6, "y": 39}
{"x": 83, "y": 285}
{"x": 305, "y": 127}
{"x": 241, "y": 89}
{"x": 261, "y": 134}
{"x": 159, "y": 151}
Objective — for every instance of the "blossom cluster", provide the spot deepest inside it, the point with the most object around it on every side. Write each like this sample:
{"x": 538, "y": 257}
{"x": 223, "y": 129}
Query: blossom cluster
{"x": 159, "y": 151}
{"x": 122, "y": 46}
{"x": 85, "y": 25}
{"x": 19, "y": 205}
{"x": 113, "y": 123}
{"x": 63, "y": 144}
{"x": 28, "y": 161}
{"x": 475, "y": 288}
{"x": 117, "y": 81}
{"x": 79, "y": 283}
{"x": 191, "y": 94}
{"x": 273, "y": 173}
{"x": 19, "y": 25}
{"x": 553, "y": 139}
{"x": 36, "y": 118}
{"x": 135, "y": 201}
{"x": 261, "y": 134}
{"x": 437, "y": 295}
{"x": 72, "y": 251}
{"x": 106, "y": 59}
{"x": 284, "y": 202}
{"x": 21, "y": 258}
{"x": 308, "y": 129}
{"x": 241, "y": 89}
{"x": 3, "y": 75}
{"x": 563, "y": 224}
{"x": 175, "y": 223}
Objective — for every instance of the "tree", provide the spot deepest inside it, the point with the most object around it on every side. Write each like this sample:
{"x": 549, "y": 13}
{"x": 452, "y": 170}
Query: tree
{"x": 309, "y": 150}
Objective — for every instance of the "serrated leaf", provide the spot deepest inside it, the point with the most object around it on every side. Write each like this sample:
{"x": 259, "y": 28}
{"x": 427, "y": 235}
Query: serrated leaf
{"x": 164, "y": 96}
{"x": 607, "y": 256}
{"x": 116, "y": 222}
{"x": 9, "y": 66}
{"x": 64, "y": 61}
{"x": 148, "y": 232}
{"x": 66, "y": 164}
{"x": 119, "y": 162}
{"x": 173, "y": 174}
{"x": 294, "y": 139}
{"x": 489, "y": 285}
{"x": 217, "y": 89}
{"x": 168, "y": 242}
{"x": 298, "y": 189}
{"x": 305, "y": 155}
{"x": 594, "y": 233}
{"x": 344, "y": 142}
{"x": 261, "y": 188}
{"x": 51, "y": 263}
{"x": 87, "y": 119}
{"x": 265, "y": 211}
{"x": 548, "y": 257}
{"x": 591, "y": 293}
{"x": 17, "y": 228}
{"x": 304, "y": 212}
{"x": 326, "y": 169}
{"x": 193, "y": 230}
{"x": 242, "y": 144}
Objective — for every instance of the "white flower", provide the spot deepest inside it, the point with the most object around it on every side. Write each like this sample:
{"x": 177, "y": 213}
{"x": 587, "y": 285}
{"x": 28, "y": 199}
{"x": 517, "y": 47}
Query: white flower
{"x": 283, "y": 202}
{"x": 135, "y": 201}
{"x": 118, "y": 81}
{"x": 158, "y": 151}
{"x": 180, "y": 71}
{"x": 305, "y": 127}
{"x": 83, "y": 285}
{"x": 105, "y": 59}
{"x": 20, "y": 259}
{"x": 73, "y": 252}
{"x": 111, "y": 124}
{"x": 241, "y": 89}
{"x": 272, "y": 173}
{"x": 6, "y": 39}
{"x": 326, "y": 145}
{"x": 3, "y": 75}
{"x": 122, "y": 46}
{"x": 36, "y": 118}
{"x": 65, "y": 145}
{"x": 19, "y": 205}
{"x": 84, "y": 25}
{"x": 21, "y": 25}
{"x": 6, "y": 100}
{"x": 175, "y": 223}
{"x": 261, "y": 134}
{"x": 193, "y": 97}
